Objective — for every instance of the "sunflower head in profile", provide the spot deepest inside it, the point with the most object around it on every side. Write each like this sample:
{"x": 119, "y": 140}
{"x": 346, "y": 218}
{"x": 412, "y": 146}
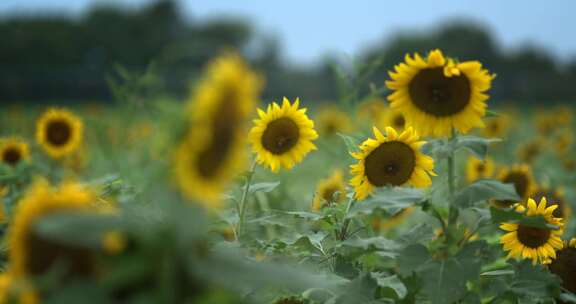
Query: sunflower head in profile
{"x": 282, "y": 135}
{"x": 438, "y": 94}
{"x": 528, "y": 152}
{"x": 329, "y": 191}
{"x": 479, "y": 169}
{"x": 59, "y": 132}
{"x": 521, "y": 177}
{"x": 535, "y": 243}
{"x": 392, "y": 118}
{"x": 14, "y": 151}
{"x": 554, "y": 196}
{"x": 331, "y": 121}
{"x": 213, "y": 152}
{"x": 564, "y": 265}
{"x": 390, "y": 160}
{"x": 496, "y": 127}
{"x": 32, "y": 254}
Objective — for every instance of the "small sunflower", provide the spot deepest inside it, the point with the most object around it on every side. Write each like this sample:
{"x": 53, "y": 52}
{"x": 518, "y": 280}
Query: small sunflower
{"x": 521, "y": 177}
{"x": 331, "y": 120}
{"x": 479, "y": 169}
{"x": 555, "y": 197}
{"x": 14, "y": 151}
{"x": 393, "y": 159}
{"x": 392, "y": 118}
{"x": 59, "y": 132}
{"x": 564, "y": 265}
{"x": 31, "y": 254}
{"x": 538, "y": 244}
{"x": 438, "y": 94}
{"x": 282, "y": 136}
{"x": 496, "y": 127}
{"x": 330, "y": 190}
{"x": 213, "y": 152}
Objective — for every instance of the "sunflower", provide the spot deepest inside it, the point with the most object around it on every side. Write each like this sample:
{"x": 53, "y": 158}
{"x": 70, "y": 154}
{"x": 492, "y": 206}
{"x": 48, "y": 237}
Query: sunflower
{"x": 538, "y": 244}
{"x": 438, "y": 94}
{"x": 330, "y": 190}
{"x": 555, "y": 197}
{"x": 331, "y": 120}
{"x": 496, "y": 127}
{"x": 528, "y": 152}
{"x": 31, "y": 254}
{"x": 393, "y": 159}
{"x": 564, "y": 265}
{"x": 282, "y": 136}
{"x": 392, "y": 118}
{"x": 14, "y": 151}
{"x": 213, "y": 152}
{"x": 59, "y": 132}
{"x": 479, "y": 169}
{"x": 521, "y": 177}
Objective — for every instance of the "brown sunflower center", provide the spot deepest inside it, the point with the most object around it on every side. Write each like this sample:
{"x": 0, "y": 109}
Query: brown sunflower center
{"x": 280, "y": 136}
{"x": 58, "y": 132}
{"x": 564, "y": 266}
{"x": 12, "y": 156}
{"x": 438, "y": 95}
{"x": 532, "y": 237}
{"x": 224, "y": 123}
{"x": 520, "y": 182}
{"x": 399, "y": 121}
{"x": 392, "y": 163}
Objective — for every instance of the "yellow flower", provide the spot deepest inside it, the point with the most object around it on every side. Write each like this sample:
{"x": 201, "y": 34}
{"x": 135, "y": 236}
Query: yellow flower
{"x": 479, "y": 169}
{"x": 564, "y": 265}
{"x": 392, "y": 118}
{"x": 394, "y": 160}
{"x": 282, "y": 136}
{"x": 59, "y": 132}
{"x": 496, "y": 127}
{"x": 331, "y": 120}
{"x": 213, "y": 152}
{"x": 437, "y": 94}
{"x": 13, "y": 151}
{"x": 330, "y": 190}
{"x": 537, "y": 244}
{"x": 521, "y": 177}
{"x": 30, "y": 253}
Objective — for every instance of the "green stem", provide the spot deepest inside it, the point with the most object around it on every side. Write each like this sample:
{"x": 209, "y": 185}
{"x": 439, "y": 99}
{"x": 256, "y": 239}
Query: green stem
{"x": 244, "y": 201}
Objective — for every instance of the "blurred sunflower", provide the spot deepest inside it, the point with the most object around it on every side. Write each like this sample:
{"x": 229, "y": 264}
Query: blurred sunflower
{"x": 555, "y": 197}
{"x": 393, "y": 159}
{"x": 213, "y": 152}
{"x": 529, "y": 151}
{"x": 32, "y": 254}
{"x": 496, "y": 127}
{"x": 392, "y": 118}
{"x": 330, "y": 190}
{"x": 331, "y": 120}
{"x": 282, "y": 136}
{"x": 521, "y": 177}
{"x": 564, "y": 265}
{"x": 371, "y": 109}
{"x": 438, "y": 94}
{"x": 538, "y": 244}
{"x": 479, "y": 169}
{"x": 14, "y": 151}
{"x": 59, "y": 132}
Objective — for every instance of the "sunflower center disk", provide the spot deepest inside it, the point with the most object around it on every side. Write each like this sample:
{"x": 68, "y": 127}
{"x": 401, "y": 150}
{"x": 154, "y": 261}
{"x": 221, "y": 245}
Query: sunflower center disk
{"x": 392, "y": 163}
{"x": 438, "y": 95}
{"x": 280, "y": 136}
{"x": 533, "y": 237}
{"x": 58, "y": 132}
{"x": 11, "y": 156}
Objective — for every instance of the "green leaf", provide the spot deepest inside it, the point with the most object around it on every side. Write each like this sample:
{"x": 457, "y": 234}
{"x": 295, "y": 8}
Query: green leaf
{"x": 483, "y": 190}
{"x": 393, "y": 282}
{"x": 475, "y": 144}
{"x": 389, "y": 199}
{"x": 263, "y": 187}
{"x": 352, "y": 143}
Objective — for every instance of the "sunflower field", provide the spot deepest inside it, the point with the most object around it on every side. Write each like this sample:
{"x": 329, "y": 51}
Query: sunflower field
{"x": 418, "y": 191}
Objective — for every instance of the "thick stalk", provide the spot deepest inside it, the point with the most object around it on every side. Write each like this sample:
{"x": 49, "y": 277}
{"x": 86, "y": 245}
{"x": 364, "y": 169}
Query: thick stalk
{"x": 244, "y": 201}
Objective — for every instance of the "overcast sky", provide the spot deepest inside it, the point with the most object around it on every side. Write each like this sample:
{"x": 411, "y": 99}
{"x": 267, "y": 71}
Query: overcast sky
{"x": 309, "y": 29}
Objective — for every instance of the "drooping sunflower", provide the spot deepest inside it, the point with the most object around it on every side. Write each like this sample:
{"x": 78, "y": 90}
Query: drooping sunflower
{"x": 14, "y": 151}
{"x": 213, "y": 152}
{"x": 564, "y": 265}
{"x": 32, "y": 254}
{"x": 59, "y": 132}
{"x": 393, "y": 159}
{"x": 282, "y": 136}
{"x": 331, "y": 120}
{"x": 479, "y": 169}
{"x": 330, "y": 190}
{"x": 538, "y": 244}
{"x": 496, "y": 127}
{"x": 555, "y": 197}
{"x": 438, "y": 94}
{"x": 521, "y": 177}
{"x": 392, "y": 118}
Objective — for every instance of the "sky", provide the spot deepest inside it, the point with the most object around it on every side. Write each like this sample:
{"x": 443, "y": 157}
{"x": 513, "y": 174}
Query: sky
{"x": 311, "y": 29}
